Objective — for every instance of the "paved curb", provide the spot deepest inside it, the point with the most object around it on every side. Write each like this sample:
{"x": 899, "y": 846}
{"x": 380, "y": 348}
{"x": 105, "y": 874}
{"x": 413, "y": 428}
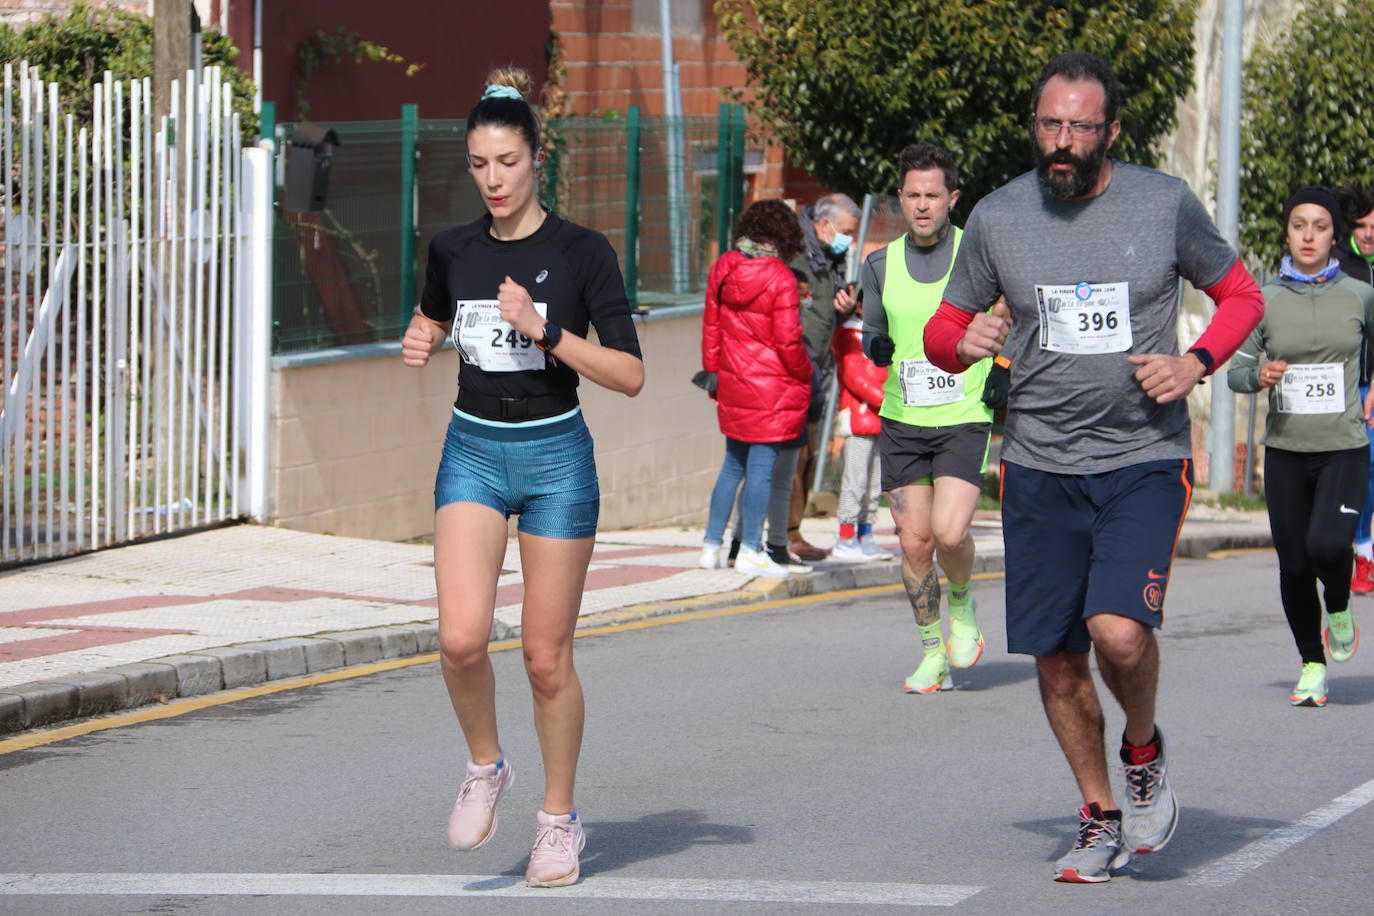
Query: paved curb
{"x": 204, "y": 671}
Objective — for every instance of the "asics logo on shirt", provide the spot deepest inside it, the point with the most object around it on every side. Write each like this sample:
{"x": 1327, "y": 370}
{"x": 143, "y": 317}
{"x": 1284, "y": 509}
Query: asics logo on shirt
{"x": 1349, "y": 511}
{"x": 543, "y": 275}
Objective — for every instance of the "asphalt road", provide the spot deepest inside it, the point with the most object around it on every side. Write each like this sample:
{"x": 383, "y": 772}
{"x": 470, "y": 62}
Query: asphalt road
{"x": 756, "y": 762}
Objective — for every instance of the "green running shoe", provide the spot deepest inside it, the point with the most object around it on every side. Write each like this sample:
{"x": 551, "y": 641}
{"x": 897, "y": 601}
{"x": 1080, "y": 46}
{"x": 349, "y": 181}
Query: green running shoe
{"x": 1311, "y": 686}
{"x": 1342, "y": 636}
{"x": 965, "y": 639}
{"x": 931, "y": 675}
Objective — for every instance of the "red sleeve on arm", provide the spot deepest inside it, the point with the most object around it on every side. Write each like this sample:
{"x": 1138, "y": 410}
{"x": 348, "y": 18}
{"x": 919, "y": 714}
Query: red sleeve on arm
{"x": 1240, "y": 306}
{"x": 943, "y": 333}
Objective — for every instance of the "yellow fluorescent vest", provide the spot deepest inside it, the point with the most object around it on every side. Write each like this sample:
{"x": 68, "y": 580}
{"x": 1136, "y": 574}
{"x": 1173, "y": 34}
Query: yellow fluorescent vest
{"x": 909, "y": 305}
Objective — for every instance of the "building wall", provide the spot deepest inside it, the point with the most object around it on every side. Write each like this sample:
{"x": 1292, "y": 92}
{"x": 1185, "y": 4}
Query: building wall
{"x": 356, "y": 442}
{"x": 452, "y": 41}
{"x": 19, "y": 13}
{"x": 613, "y": 54}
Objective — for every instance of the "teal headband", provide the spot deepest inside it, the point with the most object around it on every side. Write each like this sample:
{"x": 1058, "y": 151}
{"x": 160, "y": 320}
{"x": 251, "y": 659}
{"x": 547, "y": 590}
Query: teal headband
{"x": 497, "y": 91}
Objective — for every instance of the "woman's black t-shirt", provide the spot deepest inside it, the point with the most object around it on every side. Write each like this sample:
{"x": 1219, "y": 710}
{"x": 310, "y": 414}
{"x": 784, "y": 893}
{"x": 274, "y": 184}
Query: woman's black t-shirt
{"x": 571, "y": 274}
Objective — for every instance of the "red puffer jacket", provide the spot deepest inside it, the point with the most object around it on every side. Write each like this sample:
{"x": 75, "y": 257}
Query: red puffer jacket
{"x": 861, "y": 382}
{"x": 751, "y": 337}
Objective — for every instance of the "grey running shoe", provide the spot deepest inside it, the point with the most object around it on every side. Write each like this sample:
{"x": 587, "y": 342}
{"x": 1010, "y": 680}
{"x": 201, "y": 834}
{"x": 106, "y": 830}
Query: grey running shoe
{"x": 1151, "y": 812}
{"x": 1097, "y": 850}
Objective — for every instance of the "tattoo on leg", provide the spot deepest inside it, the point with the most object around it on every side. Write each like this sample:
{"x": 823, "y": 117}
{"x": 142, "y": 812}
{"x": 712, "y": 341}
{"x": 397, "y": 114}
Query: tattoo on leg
{"x": 896, "y": 498}
{"x": 924, "y": 594}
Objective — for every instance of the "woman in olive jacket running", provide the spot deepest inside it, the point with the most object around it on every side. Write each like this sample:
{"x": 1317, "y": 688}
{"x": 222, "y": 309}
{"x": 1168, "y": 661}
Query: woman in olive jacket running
{"x": 1306, "y": 352}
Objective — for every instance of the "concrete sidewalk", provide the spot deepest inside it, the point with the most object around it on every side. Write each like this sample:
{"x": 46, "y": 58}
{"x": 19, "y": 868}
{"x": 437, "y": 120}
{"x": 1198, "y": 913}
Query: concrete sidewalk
{"x": 238, "y": 606}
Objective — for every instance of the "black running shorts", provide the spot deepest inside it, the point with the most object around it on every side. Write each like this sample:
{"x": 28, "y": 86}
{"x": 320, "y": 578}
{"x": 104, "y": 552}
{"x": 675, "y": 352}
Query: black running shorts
{"x": 918, "y": 454}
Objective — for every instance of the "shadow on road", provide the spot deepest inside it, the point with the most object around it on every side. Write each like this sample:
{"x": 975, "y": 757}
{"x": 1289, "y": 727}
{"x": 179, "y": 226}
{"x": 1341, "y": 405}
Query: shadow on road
{"x": 1204, "y": 836}
{"x": 1356, "y": 690}
{"x": 987, "y": 675}
{"x": 615, "y": 844}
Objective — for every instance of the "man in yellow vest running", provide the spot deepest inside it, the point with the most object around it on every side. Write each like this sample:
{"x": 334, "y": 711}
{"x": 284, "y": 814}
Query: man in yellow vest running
{"x": 935, "y": 426}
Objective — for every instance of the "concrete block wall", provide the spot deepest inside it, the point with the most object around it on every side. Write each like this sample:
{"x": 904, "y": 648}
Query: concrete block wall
{"x": 657, "y": 455}
{"x": 357, "y": 441}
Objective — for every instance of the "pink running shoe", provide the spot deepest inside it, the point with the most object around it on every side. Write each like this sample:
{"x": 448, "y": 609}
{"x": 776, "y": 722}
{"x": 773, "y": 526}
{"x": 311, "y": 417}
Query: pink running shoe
{"x": 473, "y": 820}
{"x": 557, "y": 843}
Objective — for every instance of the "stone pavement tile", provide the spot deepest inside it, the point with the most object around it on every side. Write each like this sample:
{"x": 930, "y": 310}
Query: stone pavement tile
{"x": 245, "y": 556}
{"x": 397, "y": 642}
{"x": 240, "y": 666}
{"x": 677, "y": 558}
{"x": 685, "y": 584}
{"x": 11, "y": 712}
{"x": 196, "y": 674}
{"x": 359, "y": 646}
{"x": 35, "y": 587}
{"x": 240, "y": 621}
{"x": 283, "y": 657}
{"x": 426, "y": 636}
{"x": 147, "y": 683}
{"x": 98, "y": 692}
{"x": 323, "y": 654}
{"x": 67, "y": 663}
{"x": 45, "y": 701}
{"x": 10, "y": 635}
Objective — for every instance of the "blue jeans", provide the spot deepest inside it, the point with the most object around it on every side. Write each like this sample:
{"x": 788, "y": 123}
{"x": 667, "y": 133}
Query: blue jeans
{"x": 753, "y": 463}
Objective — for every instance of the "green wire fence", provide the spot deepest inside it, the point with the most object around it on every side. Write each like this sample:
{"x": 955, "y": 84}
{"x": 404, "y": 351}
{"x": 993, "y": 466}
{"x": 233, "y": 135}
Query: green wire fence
{"x": 351, "y": 273}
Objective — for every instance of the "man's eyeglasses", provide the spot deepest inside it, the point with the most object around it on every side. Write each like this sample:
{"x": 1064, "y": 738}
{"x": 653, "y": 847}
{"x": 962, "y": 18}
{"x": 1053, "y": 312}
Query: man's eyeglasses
{"x": 1050, "y": 127}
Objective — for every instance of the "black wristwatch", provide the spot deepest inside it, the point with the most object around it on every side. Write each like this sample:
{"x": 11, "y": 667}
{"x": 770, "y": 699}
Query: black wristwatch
{"x": 552, "y": 335}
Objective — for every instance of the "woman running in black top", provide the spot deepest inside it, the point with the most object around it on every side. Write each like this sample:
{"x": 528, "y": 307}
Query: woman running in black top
{"x": 517, "y": 290}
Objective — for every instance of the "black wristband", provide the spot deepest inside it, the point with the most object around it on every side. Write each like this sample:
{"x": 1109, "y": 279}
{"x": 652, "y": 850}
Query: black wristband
{"x": 1205, "y": 357}
{"x": 553, "y": 333}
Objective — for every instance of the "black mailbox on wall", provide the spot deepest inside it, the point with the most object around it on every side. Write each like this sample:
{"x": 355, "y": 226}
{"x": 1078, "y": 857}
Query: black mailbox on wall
{"x": 307, "y": 166}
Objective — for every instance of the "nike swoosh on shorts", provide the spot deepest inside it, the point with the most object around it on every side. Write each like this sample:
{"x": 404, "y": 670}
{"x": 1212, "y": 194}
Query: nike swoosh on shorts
{"x": 1349, "y": 511}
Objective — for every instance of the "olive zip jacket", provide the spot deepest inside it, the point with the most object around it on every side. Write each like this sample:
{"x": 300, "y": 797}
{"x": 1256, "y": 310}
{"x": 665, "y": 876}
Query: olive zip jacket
{"x": 1309, "y": 325}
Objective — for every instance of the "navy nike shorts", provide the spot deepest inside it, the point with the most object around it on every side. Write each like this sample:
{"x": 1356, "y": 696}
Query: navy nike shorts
{"x": 1084, "y": 544}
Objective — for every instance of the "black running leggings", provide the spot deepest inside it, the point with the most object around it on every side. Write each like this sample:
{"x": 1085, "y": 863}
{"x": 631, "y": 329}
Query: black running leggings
{"x": 1314, "y": 505}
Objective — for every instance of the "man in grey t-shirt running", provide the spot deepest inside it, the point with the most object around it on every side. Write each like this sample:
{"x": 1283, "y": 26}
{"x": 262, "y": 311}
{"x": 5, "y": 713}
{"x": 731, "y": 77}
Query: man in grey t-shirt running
{"x": 1096, "y": 471}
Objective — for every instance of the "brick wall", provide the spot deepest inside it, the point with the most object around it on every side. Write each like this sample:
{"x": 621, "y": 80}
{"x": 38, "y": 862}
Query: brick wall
{"x": 614, "y": 61}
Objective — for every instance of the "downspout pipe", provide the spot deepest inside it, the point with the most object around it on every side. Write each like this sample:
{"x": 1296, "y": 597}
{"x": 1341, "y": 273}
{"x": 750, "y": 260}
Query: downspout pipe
{"x": 257, "y": 56}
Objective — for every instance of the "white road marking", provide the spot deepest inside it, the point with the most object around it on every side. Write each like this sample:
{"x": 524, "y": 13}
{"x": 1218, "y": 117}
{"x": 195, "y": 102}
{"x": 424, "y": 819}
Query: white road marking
{"x": 598, "y": 888}
{"x": 1274, "y": 843}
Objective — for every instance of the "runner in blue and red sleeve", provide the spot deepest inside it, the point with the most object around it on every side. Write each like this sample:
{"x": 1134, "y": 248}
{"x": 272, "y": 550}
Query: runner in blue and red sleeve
{"x": 1097, "y": 459}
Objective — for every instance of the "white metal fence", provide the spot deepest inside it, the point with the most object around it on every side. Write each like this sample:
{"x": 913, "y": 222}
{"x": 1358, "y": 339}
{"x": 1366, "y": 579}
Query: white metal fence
{"x": 128, "y": 314}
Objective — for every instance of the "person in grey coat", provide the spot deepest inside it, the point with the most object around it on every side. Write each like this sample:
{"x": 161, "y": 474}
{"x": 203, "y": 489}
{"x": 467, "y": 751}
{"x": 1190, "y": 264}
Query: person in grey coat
{"x": 828, "y": 230}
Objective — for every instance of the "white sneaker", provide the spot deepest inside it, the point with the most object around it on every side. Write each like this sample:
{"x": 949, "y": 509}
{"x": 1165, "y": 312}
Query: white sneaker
{"x": 752, "y": 562}
{"x": 710, "y": 557}
{"x": 872, "y": 551}
{"x": 849, "y": 550}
